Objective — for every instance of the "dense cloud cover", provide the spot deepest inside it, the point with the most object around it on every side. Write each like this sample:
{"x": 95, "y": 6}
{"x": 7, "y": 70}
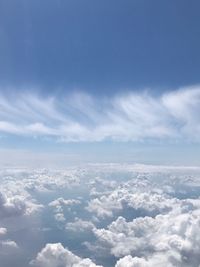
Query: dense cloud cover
{"x": 108, "y": 215}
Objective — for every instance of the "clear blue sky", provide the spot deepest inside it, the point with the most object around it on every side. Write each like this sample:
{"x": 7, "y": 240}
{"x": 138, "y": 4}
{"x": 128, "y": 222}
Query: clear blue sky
{"x": 99, "y": 45}
{"x": 100, "y": 72}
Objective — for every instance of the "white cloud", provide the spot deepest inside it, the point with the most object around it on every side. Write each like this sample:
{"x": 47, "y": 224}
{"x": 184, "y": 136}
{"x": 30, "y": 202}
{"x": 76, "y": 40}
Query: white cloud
{"x": 159, "y": 260}
{"x": 16, "y": 206}
{"x": 184, "y": 106}
{"x": 59, "y": 217}
{"x": 166, "y": 233}
{"x": 80, "y": 225}
{"x": 52, "y": 181}
{"x": 8, "y": 244}
{"x": 3, "y": 231}
{"x": 60, "y": 202}
{"x": 55, "y": 255}
{"x": 81, "y": 117}
{"x": 58, "y": 205}
{"x": 169, "y": 240}
{"x": 138, "y": 194}
{"x": 104, "y": 206}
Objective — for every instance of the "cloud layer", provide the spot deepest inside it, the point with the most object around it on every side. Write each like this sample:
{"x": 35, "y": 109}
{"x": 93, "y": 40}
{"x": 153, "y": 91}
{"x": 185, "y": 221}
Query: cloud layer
{"x": 106, "y": 215}
{"x": 82, "y": 117}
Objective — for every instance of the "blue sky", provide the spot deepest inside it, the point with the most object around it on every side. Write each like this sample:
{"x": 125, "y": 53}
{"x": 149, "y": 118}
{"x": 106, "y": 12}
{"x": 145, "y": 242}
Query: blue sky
{"x": 101, "y": 46}
{"x": 100, "y": 77}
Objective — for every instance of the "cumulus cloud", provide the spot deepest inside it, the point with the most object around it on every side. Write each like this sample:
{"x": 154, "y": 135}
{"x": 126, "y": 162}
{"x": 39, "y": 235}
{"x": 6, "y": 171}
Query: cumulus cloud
{"x": 8, "y": 244}
{"x": 158, "y": 260}
{"x": 164, "y": 233}
{"x": 3, "y": 231}
{"x": 49, "y": 180}
{"x": 55, "y": 255}
{"x": 104, "y": 206}
{"x": 166, "y": 240}
{"x": 60, "y": 202}
{"x": 80, "y": 225}
{"x": 81, "y": 117}
{"x": 138, "y": 194}
{"x": 16, "y": 206}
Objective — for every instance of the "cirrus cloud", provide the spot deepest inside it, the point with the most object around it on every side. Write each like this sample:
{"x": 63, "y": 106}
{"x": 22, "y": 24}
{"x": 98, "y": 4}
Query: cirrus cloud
{"x": 81, "y": 117}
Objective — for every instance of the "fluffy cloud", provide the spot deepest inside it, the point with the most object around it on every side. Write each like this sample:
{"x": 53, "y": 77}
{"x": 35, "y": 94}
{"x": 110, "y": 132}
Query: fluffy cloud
{"x": 147, "y": 216}
{"x": 58, "y": 205}
{"x": 55, "y": 255}
{"x": 80, "y": 225}
{"x": 3, "y": 231}
{"x": 47, "y": 181}
{"x": 8, "y": 244}
{"x": 16, "y": 206}
{"x": 158, "y": 260}
{"x": 81, "y": 117}
{"x": 166, "y": 240}
{"x": 104, "y": 206}
{"x": 24, "y": 182}
{"x": 138, "y": 194}
{"x": 60, "y": 202}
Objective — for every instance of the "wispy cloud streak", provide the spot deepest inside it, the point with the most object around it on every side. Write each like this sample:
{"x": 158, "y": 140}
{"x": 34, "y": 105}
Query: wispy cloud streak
{"x": 82, "y": 117}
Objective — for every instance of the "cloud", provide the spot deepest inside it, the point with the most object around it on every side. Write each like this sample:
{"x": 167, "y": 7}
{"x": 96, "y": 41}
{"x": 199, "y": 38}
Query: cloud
{"x": 104, "y": 206}
{"x": 50, "y": 181}
{"x": 8, "y": 244}
{"x": 58, "y": 205}
{"x": 169, "y": 240}
{"x": 55, "y": 255}
{"x": 3, "y": 231}
{"x": 184, "y": 106}
{"x": 159, "y": 260}
{"x": 80, "y": 225}
{"x": 59, "y": 217}
{"x": 138, "y": 194}
{"x": 16, "y": 206}
{"x": 60, "y": 202}
{"x": 81, "y": 117}
{"x": 165, "y": 233}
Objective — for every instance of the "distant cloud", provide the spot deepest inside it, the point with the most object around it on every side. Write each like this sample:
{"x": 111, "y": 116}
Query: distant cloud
{"x": 3, "y": 231}
{"x": 79, "y": 225}
{"x": 82, "y": 117}
{"x": 9, "y": 244}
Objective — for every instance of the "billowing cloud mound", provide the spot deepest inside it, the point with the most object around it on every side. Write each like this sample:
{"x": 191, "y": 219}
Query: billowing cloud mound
{"x": 55, "y": 255}
{"x": 157, "y": 261}
{"x": 3, "y": 231}
{"x": 166, "y": 239}
{"x": 15, "y": 206}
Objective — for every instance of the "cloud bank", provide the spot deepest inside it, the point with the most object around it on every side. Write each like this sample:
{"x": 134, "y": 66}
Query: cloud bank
{"x": 110, "y": 215}
{"x": 81, "y": 117}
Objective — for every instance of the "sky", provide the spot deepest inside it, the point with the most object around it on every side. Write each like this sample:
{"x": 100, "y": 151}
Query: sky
{"x": 99, "y": 80}
{"x": 99, "y": 133}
